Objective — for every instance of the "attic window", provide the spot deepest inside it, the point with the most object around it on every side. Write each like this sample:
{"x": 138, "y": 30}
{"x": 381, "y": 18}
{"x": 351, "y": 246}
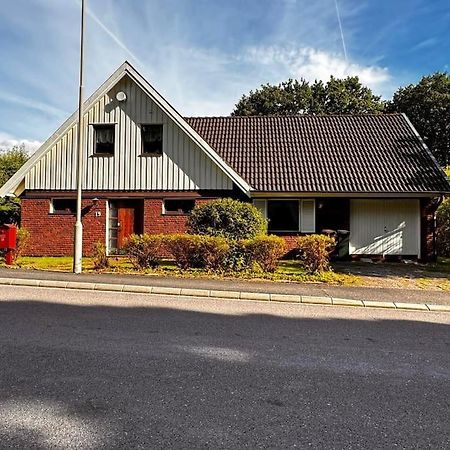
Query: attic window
{"x": 104, "y": 139}
{"x": 152, "y": 139}
{"x": 63, "y": 206}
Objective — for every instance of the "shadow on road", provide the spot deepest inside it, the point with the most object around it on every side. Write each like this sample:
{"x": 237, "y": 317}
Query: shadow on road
{"x": 126, "y": 377}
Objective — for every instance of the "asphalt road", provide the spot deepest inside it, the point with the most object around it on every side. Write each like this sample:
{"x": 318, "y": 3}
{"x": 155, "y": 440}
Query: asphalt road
{"x": 102, "y": 370}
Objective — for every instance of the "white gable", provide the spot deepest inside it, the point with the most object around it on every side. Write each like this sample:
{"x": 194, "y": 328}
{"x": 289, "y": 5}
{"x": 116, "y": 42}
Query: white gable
{"x": 187, "y": 163}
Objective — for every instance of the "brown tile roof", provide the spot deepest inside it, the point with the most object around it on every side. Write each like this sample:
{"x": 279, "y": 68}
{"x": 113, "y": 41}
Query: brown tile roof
{"x": 362, "y": 153}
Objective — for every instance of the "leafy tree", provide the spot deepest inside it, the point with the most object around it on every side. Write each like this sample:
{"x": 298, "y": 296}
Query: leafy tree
{"x": 337, "y": 96}
{"x": 10, "y": 162}
{"x": 427, "y": 104}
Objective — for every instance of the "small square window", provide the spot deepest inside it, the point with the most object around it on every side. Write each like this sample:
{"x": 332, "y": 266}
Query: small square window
{"x": 63, "y": 206}
{"x": 152, "y": 139}
{"x": 178, "y": 206}
{"x": 104, "y": 136}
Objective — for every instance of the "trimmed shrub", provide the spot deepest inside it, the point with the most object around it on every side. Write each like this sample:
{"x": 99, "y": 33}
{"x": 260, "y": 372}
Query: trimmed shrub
{"x": 144, "y": 250}
{"x": 99, "y": 255}
{"x": 198, "y": 252}
{"x": 314, "y": 252}
{"x": 443, "y": 228}
{"x": 22, "y": 238}
{"x": 228, "y": 218}
{"x": 265, "y": 251}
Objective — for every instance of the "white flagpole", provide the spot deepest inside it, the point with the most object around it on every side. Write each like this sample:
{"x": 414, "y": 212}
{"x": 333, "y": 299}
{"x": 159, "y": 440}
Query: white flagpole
{"x": 78, "y": 231}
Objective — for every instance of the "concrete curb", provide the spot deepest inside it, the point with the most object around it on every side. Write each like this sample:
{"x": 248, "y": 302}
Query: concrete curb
{"x": 233, "y": 295}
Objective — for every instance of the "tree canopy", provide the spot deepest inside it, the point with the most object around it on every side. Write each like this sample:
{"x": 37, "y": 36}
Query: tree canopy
{"x": 10, "y": 162}
{"x": 337, "y": 96}
{"x": 427, "y": 105}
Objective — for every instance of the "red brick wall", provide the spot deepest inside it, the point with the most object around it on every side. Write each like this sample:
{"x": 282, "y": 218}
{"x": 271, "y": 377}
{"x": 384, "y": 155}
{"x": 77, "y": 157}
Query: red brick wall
{"x": 427, "y": 212}
{"x": 155, "y": 222}
{"x": 52, "y": 234}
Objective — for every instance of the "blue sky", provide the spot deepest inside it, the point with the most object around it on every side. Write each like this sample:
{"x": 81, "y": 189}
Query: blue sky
{"x": 202, "y": 55}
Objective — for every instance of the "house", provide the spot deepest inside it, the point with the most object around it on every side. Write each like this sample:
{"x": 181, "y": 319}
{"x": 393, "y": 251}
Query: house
{"x": 146, "y": 167}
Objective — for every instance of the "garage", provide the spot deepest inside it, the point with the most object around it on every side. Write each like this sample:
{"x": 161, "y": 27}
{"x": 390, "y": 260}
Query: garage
{"x": 385, "y": 227}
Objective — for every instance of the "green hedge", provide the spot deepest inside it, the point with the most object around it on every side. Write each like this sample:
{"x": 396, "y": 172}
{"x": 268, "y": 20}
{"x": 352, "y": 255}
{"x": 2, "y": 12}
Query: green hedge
{"x": 227, "y": 218}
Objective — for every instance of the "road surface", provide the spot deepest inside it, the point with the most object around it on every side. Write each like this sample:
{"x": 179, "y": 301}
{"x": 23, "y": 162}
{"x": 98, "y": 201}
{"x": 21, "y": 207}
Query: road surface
{"x": 104, "y": 370}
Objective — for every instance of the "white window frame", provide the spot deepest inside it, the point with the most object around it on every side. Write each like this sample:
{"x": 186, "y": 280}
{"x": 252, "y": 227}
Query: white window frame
{"x": 301, "y": 221}
{"x": 52, "y": 208}
{"x": 170, "y": 213}
{"x": 261, "y": 204}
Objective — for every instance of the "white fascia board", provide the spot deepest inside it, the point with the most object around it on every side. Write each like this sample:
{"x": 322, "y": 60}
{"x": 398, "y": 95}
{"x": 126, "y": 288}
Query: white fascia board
{"x": 281, "y": 195}
{"x": 15, "y": 181}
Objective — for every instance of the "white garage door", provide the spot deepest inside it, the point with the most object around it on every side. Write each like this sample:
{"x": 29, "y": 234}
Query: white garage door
{"x": 384, "y": 227}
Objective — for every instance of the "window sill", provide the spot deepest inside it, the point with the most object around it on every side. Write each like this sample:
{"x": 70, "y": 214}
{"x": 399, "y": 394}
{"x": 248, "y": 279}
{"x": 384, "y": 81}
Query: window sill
{"x": 62, "y": 213}
{"x": 175, "y": 214}
{"x": 297, "y": 232}
{"x": 150, "y": 155}
{"x": 102, "y": 155}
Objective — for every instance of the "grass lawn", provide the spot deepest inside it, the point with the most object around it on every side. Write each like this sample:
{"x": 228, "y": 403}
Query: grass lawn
{"x": 289, "y": 271}
{"x": 406, "y": 276}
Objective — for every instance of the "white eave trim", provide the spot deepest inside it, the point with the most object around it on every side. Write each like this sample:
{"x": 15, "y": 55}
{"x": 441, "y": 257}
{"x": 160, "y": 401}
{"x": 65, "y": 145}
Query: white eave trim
{"x": 274, "y": 194}
{"x": 13, "y": 185}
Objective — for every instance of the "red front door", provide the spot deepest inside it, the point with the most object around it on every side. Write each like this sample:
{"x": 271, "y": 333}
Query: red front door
{"x": 125, "y": 223}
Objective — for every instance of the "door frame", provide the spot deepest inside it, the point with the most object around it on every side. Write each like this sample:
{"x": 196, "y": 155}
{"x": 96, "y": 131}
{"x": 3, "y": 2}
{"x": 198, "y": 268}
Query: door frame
{"x": 138, "y": 204}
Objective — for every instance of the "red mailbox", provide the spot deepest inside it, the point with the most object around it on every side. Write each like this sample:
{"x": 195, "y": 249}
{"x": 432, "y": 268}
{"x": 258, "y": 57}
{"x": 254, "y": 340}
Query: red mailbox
{"x": 8, "y": 235}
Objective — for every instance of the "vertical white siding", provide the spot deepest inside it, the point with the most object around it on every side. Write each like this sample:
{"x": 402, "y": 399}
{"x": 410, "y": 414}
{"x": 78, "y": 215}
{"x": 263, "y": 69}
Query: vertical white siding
{"x": 183, "y": 165}
{"x": 384, "y": 227}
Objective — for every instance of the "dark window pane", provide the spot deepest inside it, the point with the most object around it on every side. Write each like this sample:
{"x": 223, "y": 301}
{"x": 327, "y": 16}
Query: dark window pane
{"x": 104, "y": 139}
{"x": 64, "y": 206}
{"x": 178, "y": 206}
{"x": 152, "y": 139}
{"x": 283, "y": 215}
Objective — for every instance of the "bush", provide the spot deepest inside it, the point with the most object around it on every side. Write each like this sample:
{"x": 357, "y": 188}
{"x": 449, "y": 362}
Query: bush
{"x": 314, "y": 252}
{"x": 100, "y": 256}
{"x": 266, "y": 251}
{"x": 443, "y": 228}
{"x": 22, "y": 238}
{"x": 198, "y": 252}
{"x": 228, "y": 218}
{"x": 144, "y": 250}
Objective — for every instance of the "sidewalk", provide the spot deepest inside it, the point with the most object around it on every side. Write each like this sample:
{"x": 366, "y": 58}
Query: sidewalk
{"x": 300, "y": 289}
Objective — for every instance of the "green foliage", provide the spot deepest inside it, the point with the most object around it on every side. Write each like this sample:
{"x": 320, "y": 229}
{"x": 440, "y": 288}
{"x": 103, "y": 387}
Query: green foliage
{"x": 227, "y": 218}
{"x": 266, "y": 251}
{"x": 337, "y": 96}
{"x": 443, "y": 228}
{"x": 99, "y": 256}
{"x": 10, "y": 162}
{"x": 22, "y": 238}
{"x": 198, "y": 251}
{"x": 427, "y": 105}
{"x": 9, "y": 210}
{"x": 216, "y": 253}
{"x": 314, "y": 252}
{"x": 144, "y": 250}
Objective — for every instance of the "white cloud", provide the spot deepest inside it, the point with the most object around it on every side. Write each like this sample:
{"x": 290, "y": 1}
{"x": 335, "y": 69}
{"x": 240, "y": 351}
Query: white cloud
{"x": 313, "y": 64}
{"x": 7, "y": 141}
